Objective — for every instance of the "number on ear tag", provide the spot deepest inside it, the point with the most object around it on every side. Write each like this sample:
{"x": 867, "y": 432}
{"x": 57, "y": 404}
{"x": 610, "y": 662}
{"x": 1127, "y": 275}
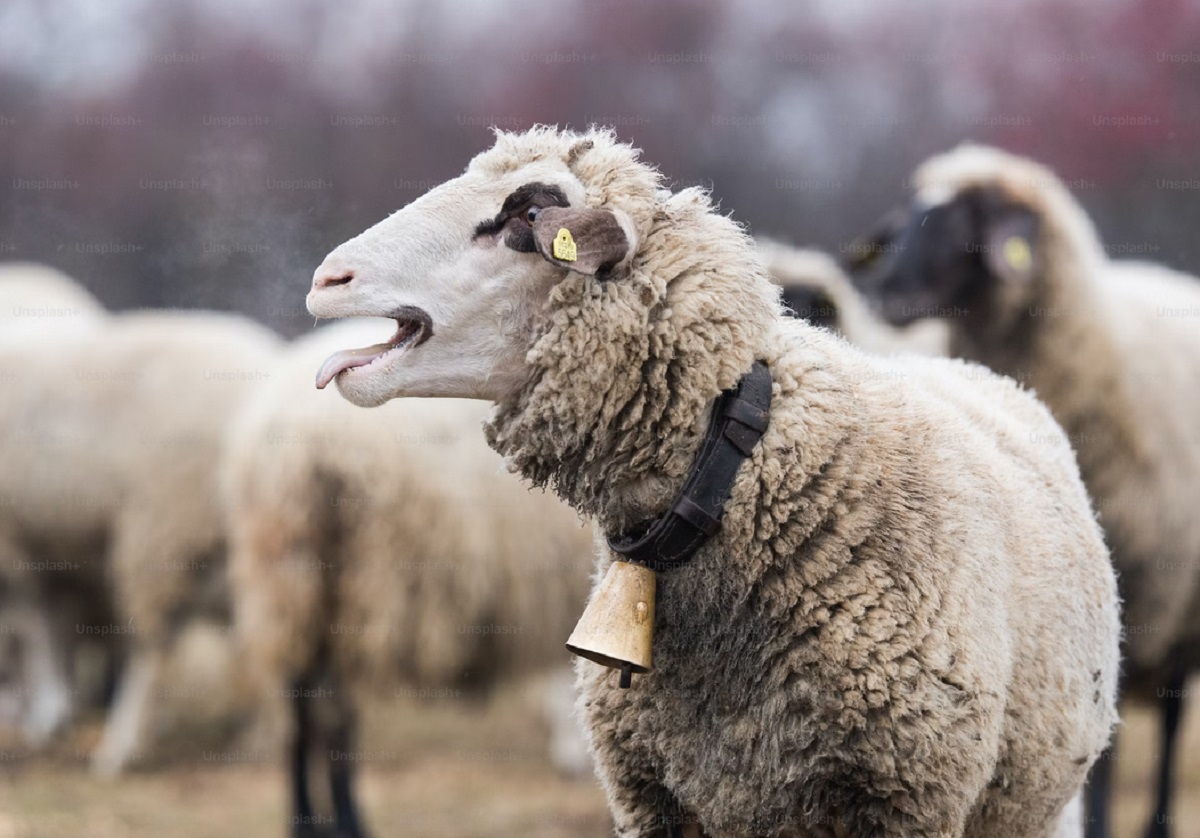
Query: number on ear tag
{"x": 564, "y": 245}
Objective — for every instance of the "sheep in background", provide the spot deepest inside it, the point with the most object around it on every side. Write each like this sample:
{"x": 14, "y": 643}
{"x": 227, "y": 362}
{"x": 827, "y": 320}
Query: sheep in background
{"x": 997, "y": 246}
{"x": 39, "y": 295}
{"x": 35, "y": 689}
{"x": 817, "y": 290}
{"x": 37, "y": 683}
{"x": 906, "y": 621}
{"x": 111, "y": 523}
{"x": 376, "y": 549}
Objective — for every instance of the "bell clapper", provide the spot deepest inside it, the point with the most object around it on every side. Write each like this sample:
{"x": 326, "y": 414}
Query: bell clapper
{"x": 626, "y": 676}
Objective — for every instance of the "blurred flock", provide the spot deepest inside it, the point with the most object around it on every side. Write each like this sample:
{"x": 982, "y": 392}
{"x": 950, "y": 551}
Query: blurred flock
{"x": 203, "y": 154}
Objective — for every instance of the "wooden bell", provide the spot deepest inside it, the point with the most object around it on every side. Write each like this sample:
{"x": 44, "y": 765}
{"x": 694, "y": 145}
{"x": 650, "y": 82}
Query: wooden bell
{"x": 617, "y": 627}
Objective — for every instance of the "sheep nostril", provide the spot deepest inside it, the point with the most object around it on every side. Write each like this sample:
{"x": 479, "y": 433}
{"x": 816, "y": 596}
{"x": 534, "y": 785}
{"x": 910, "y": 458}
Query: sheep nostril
{"x": 332, "y": 280}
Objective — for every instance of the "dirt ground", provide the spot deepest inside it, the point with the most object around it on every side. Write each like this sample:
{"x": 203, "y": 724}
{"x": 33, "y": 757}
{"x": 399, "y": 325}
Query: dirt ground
{"x": 452, "y": 770}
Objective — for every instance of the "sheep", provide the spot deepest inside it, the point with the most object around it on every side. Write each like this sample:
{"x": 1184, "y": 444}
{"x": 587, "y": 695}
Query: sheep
{"x": 40, "y": 295}
{"x": 36, "y": 664}
{"x": 816, "y": 289}
{"x": 905, "y": 623}
{"x": 36, "y": 690}
{"x": 386, "y": 548}
{"x": 111, "y": 520}
{"x": 997, "y": 246}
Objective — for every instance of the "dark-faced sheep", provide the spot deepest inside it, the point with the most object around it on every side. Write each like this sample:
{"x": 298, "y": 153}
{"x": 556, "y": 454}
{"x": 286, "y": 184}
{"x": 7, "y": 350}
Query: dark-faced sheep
{"x": 997, "y": 247}
{"x": 816, "y": 289}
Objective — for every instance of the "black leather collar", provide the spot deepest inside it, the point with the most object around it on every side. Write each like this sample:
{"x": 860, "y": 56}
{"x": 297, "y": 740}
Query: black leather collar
{"x": 739, "y": 420}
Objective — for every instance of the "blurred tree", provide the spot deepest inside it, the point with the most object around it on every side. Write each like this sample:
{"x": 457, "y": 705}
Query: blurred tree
{"x": 204, "y": 158}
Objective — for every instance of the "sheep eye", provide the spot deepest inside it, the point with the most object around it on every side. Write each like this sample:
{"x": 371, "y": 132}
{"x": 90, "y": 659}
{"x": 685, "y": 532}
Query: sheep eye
{"x": 531, "y": 215}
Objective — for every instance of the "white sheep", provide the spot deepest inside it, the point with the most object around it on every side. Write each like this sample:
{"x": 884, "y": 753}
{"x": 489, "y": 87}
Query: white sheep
{"x": 38, "y": 295}
{"x": 817, "y": 290}
{"x": 35, "y": 688}
{"x": 996, "y": 245}
{"x": 111, "y": 521}
{"x": 385, "y": 550}
{"x": 905, "y": 623}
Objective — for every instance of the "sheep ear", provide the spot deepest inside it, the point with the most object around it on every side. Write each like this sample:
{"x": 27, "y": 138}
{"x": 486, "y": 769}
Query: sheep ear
{"x": 588, "y": 241}
{"x": 1010, "y": 246}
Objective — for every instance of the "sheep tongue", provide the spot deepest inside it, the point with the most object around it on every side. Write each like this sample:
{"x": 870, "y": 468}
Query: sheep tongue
{"x": 347, "y": 358}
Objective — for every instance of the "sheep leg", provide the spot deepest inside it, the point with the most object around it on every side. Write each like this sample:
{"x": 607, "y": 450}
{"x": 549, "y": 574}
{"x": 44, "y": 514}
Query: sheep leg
{"x": 129, "y": 719}
{"x": 41, "y": 647}
{"x": 1070, "y": 822}
{"x": 1099, "y": 788}
{"x": 302, "y": 743}
{"x": 568, "y": 744}
{"x": 341, "y": 738}
{"x": 45, "y": 673}
{"x": 1171, "y": 709}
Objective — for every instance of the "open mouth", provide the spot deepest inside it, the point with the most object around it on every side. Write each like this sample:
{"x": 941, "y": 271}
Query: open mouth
{"x": 413, "y": 328}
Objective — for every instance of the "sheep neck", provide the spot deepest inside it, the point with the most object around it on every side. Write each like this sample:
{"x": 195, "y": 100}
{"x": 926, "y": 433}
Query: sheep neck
{"x": 624, "y": 373}
{"x": 737, "y": 422}
{"x": 1058, "y": 346}
{"x": 613, "y": 431}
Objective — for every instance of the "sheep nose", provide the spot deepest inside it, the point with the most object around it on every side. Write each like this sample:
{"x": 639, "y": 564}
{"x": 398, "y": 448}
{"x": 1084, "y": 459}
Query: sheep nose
{"x": 328, "y": 279}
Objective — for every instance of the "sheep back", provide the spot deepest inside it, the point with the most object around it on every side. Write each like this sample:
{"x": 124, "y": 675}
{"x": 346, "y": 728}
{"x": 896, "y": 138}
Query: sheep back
{"x": 111, "y": 437}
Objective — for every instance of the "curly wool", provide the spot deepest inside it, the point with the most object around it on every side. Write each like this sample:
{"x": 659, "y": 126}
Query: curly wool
{"x": 879, "y": 641}
{"x": 676, "y": 349}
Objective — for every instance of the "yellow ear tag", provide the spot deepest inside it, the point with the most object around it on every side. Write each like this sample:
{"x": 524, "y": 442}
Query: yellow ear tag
{"x": 564, "y": 245}
{"x": 1017, "y": 253}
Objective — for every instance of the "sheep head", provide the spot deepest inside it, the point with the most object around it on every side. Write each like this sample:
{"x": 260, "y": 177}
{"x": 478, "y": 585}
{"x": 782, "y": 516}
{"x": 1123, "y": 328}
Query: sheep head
{"x": 559, "y": 278}
{"x": 812, "y": 304}
{"x": 465, "y": 269}
{"x": 812, "y": 284}
{"x": 970, "y": 245}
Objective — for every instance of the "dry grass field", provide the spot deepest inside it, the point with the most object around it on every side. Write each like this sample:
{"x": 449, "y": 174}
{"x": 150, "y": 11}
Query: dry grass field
{"x": 451, "y": 770}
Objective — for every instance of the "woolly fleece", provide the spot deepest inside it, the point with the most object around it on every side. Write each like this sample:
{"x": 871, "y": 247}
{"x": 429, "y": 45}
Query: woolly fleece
{"x": 907, "y": 624}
